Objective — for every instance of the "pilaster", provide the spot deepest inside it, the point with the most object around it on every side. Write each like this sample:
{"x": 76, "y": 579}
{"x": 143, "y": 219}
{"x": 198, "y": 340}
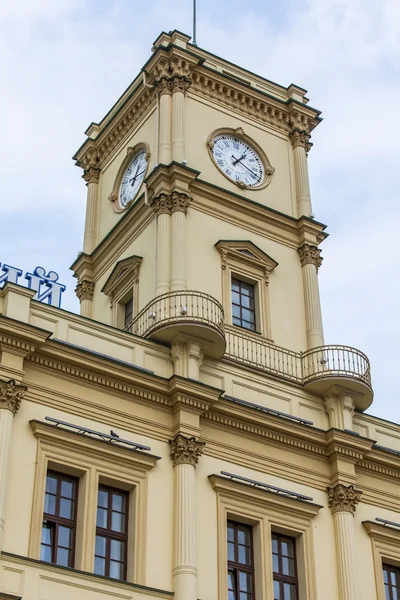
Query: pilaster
{"x": 311, "y": 260}
{"x": 300, "y": 143}
{"x": 340, "y": 405}
{"x": 85, "y": 290}
{"x": 91, "y": 176}
{"x": 162, "y": 207}
{"x": 180, "y": 204}
{"x": 11, "y": 395}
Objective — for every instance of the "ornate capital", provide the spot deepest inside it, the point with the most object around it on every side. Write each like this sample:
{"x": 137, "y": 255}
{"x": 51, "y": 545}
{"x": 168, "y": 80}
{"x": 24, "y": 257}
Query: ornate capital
{"x": 300, "y": 138}
{"x": 11, "y": 394}
{"x": 164, "y": 86}
{"x": 185, "y": 451}
{"x": 84, "y": 290}
{"x": 162, "y": 205}
{"x": 310, "y": 255}
{"x": 172, "y": 76}
{"x": 180, "y": 202}
{"x": 91, "y": 175}
{"x": 343, "y": 499}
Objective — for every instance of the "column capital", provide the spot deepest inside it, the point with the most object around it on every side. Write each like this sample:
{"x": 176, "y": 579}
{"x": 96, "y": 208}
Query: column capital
{"x": 91, "y": 174}
{"x": 185, "y": 451}
{"x": 11, "y": 395}
{"x": 300, "y": 138}
{"x": 310, "y": 255}
{"x": 162, "y": 204}
{"x": 179, "y": 202}
{"x": 342, "y": 498}
{"x": 84, "y": 290}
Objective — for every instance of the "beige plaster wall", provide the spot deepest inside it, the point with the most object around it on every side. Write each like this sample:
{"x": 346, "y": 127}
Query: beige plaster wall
{"x": 203, "y": 117}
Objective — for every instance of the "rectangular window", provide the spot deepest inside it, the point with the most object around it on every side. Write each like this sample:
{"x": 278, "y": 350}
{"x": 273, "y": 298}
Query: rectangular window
{"x": 243, "y": 304}
{"x": 128, "y": 312}
{"x": 111, "y": 533}
{"x": 284, "y": 567}
{"x": 391, "y": 580}
{"x": 240, "y": 562}
{"x": 59, "y": 519}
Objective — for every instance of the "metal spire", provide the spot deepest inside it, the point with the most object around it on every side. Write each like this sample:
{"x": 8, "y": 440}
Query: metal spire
{"x": 194, "y": 42}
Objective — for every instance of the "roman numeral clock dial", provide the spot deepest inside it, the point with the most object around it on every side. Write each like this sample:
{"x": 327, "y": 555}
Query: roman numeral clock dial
{"x": 238, "y": 161}
{"x": 132, "y": 179}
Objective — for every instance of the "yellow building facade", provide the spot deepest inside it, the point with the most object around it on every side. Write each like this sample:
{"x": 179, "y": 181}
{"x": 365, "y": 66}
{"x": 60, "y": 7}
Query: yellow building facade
{"x": 189, "y": 435}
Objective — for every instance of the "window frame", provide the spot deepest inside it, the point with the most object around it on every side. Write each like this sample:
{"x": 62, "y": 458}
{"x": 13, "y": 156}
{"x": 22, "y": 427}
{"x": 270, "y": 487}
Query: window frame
{"x": 279, "y": 576}
{"x": 109, "y": 533}
{"x": 56, "y": 521}
{"x": 267, "y": 513}
{"x": 390, "y": 568}
{"x": 385, "y": 542}
{"x": 238, "y": 567}
{"x": 241, "y": 284}
{"x": 94, "y": 462}
{"x": 121, "y": 287}
{"x": 243, "y": 260}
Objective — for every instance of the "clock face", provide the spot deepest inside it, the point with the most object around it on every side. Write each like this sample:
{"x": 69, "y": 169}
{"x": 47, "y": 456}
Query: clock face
{"x": 238, "y": 161}
{"x": 132, "y": 179}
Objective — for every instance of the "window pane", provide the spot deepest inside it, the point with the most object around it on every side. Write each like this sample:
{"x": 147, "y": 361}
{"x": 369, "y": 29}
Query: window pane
{"x": 51, "y": 484}
{"x": 289, "y": 591}
{"x": 100, "y": 546}
{"x": 275, "y": 545}
{"x": 46, "y": 535}
{"x": 117, "y": 550}
{"x": 67, "y": 489}
{"x": 45, "y": 553}
{"x": 231, "y": 580}
{"x": 287, "y": 548}
{"x": 245, "y": 582}
{"x": 248, "y": 302}
{"x": 102, "y": 518}
{"x": 66, "y": 508}
{"x": 99, "y": 566}
{"x": 387, "y": 593}
{"x": 118, "y": 502}
{"x": 244, "y": 596}
{"x": 116, "y": 570}
{"x": 235, "y": 285}
{"x": 236, "y": 311}
{"x": 235, "y": 297}
{"x": 63, "y": 557}
{"x": 275, "y": 563}
{"x": 244, "y": 555}
{"x": 50, "y": 504}
{"x": 118, "y": 522}
{"x": 102, "y": 499}
{"x": 248, "y": 315}
{"x": 64, "y": 537}
{"x": 231, "y": 551}
{"x": 243, "y": 536}
{"x": 231, "y": 533}
{"x": 385, "y": 576}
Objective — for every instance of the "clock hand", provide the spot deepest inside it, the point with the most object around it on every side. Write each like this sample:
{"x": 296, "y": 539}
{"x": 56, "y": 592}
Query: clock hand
{"x": 135, "y": 175}
{"x": 251, "y": 172}
{"x": 237, "y": 160}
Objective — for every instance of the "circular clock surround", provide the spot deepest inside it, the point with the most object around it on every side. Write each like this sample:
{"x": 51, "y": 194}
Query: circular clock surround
{"x": 239, "y": 158}
{"x": 130, "y": 177}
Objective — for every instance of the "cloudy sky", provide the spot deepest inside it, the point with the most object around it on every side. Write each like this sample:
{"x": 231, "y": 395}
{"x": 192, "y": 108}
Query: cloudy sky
{"x": 63, "y": 63}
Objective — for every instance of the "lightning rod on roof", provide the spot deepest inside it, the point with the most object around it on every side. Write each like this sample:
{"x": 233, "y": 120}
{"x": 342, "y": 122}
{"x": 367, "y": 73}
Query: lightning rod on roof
{"x": 194, "y": 41}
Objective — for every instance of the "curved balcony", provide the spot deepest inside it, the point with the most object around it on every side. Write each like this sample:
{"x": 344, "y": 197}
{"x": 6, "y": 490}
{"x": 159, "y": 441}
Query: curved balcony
{"x": 177, "y": 316}
{"x": 326, "y": 366}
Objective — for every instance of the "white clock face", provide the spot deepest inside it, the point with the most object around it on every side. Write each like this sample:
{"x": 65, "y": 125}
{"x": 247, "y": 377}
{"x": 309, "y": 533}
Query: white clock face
{"x": 132, "y": 179}
{"x": 238, "y": 161}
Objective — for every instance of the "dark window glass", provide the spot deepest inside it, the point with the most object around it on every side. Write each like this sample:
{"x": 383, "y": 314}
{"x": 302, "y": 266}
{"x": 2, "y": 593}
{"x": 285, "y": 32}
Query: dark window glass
{"x": 59, "y": 519}
{"x": 128, "y": 312}
{"x": 240, "y": 562}
{"x": 391, "y": 578}
{"x": 111, "y": 533}
{"x": 243, "y": 305}
{"x": 284, "y": 567}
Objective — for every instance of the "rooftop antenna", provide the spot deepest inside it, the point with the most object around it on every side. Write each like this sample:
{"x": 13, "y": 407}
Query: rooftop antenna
{"x": 194, "y": 42}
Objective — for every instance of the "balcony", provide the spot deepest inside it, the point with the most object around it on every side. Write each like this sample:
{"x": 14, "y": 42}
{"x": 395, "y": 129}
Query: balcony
{"x": 318, "y": 369}
{"x": 177, "y": 316}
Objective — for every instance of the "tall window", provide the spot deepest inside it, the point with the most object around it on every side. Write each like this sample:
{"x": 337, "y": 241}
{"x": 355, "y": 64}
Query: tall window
{"x": 240, "y": 562}
{"x": 391, "y": 578}
{"x": 111, "y": 533}
{"x": 128, "y": 312}
{"x": 59, "y": 519}
{"x": 243, "y": 305}
{"x": 284, "y": 567}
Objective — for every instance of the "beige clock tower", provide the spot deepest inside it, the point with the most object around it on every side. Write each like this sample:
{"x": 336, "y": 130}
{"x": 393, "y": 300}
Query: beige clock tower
{"x": 190, "y": 434}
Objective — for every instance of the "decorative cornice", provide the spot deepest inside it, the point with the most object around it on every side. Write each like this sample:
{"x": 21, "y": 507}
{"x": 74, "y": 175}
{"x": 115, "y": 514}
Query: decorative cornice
{"x": 310, "y": 255}
{"x": 91, "y": 175}
{"x": 185, "y": 451}
{"x": 343, "y": 498}
{"x": 84, "y": 290}
{"x": 11, "y": 395}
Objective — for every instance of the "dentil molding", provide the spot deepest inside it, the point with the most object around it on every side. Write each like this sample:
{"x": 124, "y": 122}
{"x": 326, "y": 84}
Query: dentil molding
{"x": 185, "y": 451}
{"x": 11, "y": 395}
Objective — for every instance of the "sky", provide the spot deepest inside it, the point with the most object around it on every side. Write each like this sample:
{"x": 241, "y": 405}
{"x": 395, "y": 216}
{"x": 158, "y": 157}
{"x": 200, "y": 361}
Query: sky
{"x": 64, "y": 63}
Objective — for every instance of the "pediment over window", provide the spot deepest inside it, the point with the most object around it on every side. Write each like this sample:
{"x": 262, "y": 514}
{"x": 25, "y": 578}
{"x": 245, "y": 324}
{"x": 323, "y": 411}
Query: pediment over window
{"x": 124, "y": 273}
{"x": 245, "y": 252}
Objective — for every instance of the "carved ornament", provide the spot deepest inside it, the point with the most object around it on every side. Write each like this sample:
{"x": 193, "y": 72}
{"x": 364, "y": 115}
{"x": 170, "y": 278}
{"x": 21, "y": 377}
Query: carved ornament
{"x": 343, "y": 498}
{"x": 180, "y": 202}
{"x": 11, "y": 395}
{"x": 185, "y": 451}
{"x": 84, "y": 290}
{"x": 170, "y": 203}
{"x": 310, "y": 255}
{"x": 172, "y": 75}
{"x": 91, "y": 175}
{"x": 299, "y": 138}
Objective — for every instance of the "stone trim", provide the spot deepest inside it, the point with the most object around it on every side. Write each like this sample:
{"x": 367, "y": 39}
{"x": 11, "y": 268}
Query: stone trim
{"x": 185, "y": 451}
{"x": 343, "y": 498}
{"x": 11, "y": 395}
{"x": 84, "y": 290}
{"x": 310, "y": 255}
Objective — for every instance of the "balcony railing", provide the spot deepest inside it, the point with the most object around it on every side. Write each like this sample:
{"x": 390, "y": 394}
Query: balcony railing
{"x": 177, "y": 308}
{"x": 305, "y": 368}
